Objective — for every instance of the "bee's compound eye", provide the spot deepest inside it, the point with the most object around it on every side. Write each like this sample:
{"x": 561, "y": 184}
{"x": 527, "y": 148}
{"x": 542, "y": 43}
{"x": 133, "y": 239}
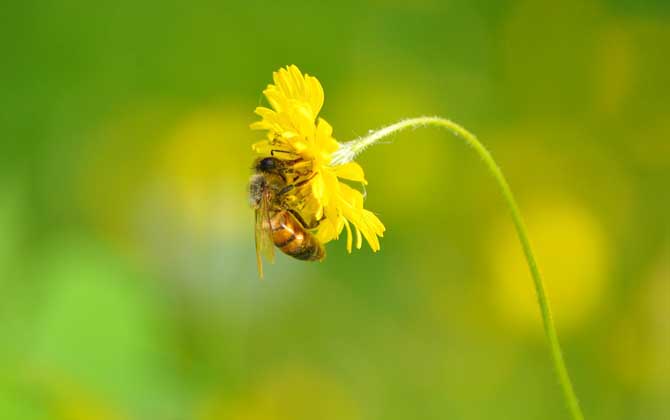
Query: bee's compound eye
{"x": 267, "y": 164}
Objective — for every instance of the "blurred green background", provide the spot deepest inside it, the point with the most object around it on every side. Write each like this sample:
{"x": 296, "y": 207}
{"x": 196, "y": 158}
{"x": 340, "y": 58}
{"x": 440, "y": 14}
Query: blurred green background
{"x": 128, "y": 285}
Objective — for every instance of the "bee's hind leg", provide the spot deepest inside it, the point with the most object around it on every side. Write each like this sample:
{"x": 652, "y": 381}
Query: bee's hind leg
{"x": 296, "y": 185}
{"x": 302, "y": 221}
{"x": 305, "y": 181}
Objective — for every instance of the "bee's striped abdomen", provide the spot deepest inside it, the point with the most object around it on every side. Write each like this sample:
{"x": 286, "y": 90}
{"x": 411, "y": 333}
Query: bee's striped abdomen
{"x": 292, "y": 239}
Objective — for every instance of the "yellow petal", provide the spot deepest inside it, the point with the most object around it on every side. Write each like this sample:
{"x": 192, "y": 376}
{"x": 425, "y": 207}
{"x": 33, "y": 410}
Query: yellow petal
{"x": 298, "y": 145}
{"x": 259, "y": 125}
{"x": 315, "y": 92}
{"x": 282, "y": 83}
{"x": 346, "y": 225}
{"x": 324, "y": 131}
{"x": 372, "y": 229}
{"x": 351, "y": 171}
{"x": 262, "y": 147}
{"x": 297, "y": 82}
{"x": 359, "y": 240}
{"x": 318, "y": 187}
{"x": 276, "y": 98}
{"x": 375, "y": 224}
{"x": 324, "y": 137}
{"x": 327, "y": 231}
{"x": 351, "y": 196}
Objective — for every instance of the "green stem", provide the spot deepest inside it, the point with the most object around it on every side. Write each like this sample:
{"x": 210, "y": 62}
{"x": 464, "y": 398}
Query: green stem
{"x": 356, "y": 146}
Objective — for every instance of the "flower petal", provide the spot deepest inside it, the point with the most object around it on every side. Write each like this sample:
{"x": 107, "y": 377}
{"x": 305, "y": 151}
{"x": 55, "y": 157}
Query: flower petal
{"x": 351, "y": 171}
{"x": 346, "y": 224}
{"x": 318, "y": 187}
{"x": 315, "y": 93}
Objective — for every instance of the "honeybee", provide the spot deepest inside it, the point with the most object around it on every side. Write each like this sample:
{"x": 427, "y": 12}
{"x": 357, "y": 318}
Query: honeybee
{"x": 276, "y": 223}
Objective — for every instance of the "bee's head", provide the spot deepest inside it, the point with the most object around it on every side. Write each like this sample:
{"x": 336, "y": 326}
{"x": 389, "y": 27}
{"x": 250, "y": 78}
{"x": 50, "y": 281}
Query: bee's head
{"x": 268, "y": 165}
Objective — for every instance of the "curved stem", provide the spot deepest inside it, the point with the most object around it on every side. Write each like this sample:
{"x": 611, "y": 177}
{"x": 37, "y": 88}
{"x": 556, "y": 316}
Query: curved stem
{"x": 351, "y": 149}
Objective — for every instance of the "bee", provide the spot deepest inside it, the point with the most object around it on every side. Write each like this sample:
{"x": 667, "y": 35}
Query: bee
{"x": 276, "y": 223}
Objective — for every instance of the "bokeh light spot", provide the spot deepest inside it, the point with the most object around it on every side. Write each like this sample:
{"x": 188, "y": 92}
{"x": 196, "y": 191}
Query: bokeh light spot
{"x": 570, "y": 247}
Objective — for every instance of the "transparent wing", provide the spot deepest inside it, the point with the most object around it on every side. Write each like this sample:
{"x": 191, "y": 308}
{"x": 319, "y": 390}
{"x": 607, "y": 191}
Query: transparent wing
{"x": 264, "y": 244}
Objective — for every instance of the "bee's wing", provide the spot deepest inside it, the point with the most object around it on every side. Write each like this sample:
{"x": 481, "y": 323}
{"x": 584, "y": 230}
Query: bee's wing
{"x": 264, "y": 244}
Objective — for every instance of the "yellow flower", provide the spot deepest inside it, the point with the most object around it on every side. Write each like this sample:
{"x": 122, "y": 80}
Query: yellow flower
{"x": 295, "y": 131}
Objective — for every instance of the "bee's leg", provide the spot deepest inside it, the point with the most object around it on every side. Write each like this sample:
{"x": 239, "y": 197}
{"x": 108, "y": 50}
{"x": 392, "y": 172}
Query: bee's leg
{"x": 286, "y": 189}
{"x": 302, "y": 221}
{"x": 294, "y": 165}
{"x": 314, "y": 225}
{"x": 296, "y": 185}
{"x": 305, "y": 181}
{"x": 291, "y": 164}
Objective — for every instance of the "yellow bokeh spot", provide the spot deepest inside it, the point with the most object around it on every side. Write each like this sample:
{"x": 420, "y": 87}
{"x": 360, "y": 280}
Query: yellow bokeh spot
{"x": 638, "y": 344}
{"x": 570, "y": 247}
{"x": 199, "y": 167}
{"x": 66, "y": 399}
{"x": 289, "y": 394}
{"x": 180, "y": 172}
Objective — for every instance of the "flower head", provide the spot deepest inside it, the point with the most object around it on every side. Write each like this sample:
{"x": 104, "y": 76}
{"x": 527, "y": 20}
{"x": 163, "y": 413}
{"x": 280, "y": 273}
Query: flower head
{"x": 296, "y": 133}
